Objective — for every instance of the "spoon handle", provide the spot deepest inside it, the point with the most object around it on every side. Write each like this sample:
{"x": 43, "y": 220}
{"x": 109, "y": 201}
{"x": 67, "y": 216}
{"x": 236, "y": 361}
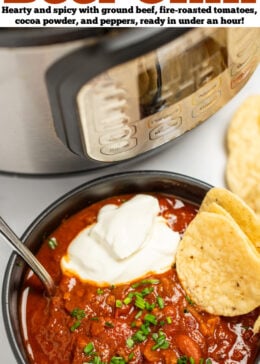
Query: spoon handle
{"x": 28, "y": 257}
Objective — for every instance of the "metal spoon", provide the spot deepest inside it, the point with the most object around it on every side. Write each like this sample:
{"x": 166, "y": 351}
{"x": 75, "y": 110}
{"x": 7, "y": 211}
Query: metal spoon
{"x": 28, "y": 257}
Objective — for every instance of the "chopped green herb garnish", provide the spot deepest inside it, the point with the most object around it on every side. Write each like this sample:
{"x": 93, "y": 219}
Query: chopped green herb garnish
{"x": 94, "y": 318}
{"x": 208, "y": 361}
{"x": 78, "y": 313}
{"x": 95, "y": 360}
{"x": 100, "y": 291}
{"x": 182, "y": 360}
{"x": 127, "y": 300}
{"x": 119, "y": 303}
{"x": 130, "y": 343}
{"x": 155, "y": 336}
{"x": 146, "y": 291}
{"x": 189, "y": 300}
{"x": 145, "y": 328}
{"x": 145, "y": 281}
{"x": 160, "y": 302}
{"x": 150, "y": 318}
{"x": 185, "y": 360}
{"x": 88, "y": 349}
{"x": 52, "y": 243}
{"x": 142, "y": 333}
{"x": 117, "y": 360}
{"x": 109, "y": 324}
{"x": 138, "y": 315}
{"x": 140, "y": 302}
{"x": 139, "y": 336}
{"x": 169, "y": 320}
{"x": 160, "y": 341}
{"x": 149, "y": 306}
{"x": 75, "y": 325}
{"x": 131, "y": 356}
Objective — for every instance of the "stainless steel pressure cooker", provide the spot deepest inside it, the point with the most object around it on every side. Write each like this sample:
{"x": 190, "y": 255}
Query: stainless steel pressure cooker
{"x": 79, "y": 99}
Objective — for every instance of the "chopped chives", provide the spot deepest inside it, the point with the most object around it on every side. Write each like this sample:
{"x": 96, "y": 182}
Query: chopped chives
{"x": 52, "y": 243}
{"x": 169, "y": 320}
{"x": 182, "y": 360}
{"x": 131, "y": 356}
{"x": 109, "y": 324}
{"x": 145, "y": 281}
{"x": 160, "y": 341}
{"x": 145, "y": 328}
{"x": 130, "y": 343}
{"x": 127, "y": 300}
{"x": 75, "y": 325}
{"x": 160, "y": 302}
{"x": 189, "y": 300}
{"x": 139, "y": 336}
{"x": 155, "y": 336}
{"x": 119, "y": 303}
{"x": 140, "y": 302}
{"x": 149, "y": 306}
{"x": 88, "y": 348}
{"x": 78, "y": 313}
{"x": 146, "y": 291}
{"x": 138, "y": 315}
{"x": 150, "y": 318}
{"x": 117, "y": 360}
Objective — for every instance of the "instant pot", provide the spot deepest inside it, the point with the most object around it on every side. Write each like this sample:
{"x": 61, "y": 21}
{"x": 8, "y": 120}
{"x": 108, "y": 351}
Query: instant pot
{"x": 80, "y": 99}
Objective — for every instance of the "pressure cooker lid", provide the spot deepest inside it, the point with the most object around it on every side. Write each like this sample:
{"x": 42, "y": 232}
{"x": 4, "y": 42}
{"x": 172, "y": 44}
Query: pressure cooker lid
{"x": 30, "y": 37}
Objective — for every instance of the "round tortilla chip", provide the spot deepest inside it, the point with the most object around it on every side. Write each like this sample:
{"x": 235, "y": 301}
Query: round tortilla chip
{"x": 243, "y": 143}
{"x": 233, "y": 206}
{"x": 218, "y": 266}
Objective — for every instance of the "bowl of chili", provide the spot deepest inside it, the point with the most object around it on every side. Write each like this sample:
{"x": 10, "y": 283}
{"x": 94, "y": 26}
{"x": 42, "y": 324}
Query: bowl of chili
{"x": 147, "y": 320}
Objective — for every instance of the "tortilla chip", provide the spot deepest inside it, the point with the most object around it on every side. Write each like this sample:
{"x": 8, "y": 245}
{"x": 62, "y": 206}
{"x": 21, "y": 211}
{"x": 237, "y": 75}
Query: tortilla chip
{"x": 234, "y": 206}
{"x": 243, "y": 142}
{"x": 218, "y": 266}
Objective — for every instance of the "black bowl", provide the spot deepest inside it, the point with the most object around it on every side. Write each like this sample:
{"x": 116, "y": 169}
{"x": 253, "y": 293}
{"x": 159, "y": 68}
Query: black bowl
{"x": 187, "y": 188}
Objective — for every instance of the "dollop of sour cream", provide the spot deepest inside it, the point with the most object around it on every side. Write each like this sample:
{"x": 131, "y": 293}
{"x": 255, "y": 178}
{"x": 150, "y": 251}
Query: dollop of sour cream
{"x": 127, "y": 242}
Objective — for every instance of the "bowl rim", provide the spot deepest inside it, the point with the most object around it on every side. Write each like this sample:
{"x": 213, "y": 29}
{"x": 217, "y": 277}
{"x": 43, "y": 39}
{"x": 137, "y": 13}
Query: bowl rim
{"x": 111, "y": 178}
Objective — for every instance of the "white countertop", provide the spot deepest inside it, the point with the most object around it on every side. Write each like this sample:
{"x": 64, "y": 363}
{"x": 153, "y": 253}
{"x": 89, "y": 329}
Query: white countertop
{"x": 200, "y": 153}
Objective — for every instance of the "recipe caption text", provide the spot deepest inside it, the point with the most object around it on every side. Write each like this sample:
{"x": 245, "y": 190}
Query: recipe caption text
{"x": 90, "y": 15}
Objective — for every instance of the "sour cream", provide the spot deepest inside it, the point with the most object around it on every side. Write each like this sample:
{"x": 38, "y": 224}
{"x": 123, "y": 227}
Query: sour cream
{"x": 126, "y": 242}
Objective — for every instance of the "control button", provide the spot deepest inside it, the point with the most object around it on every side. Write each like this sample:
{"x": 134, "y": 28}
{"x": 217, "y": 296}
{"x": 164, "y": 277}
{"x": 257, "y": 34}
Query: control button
{"x": 166, "y": 126}
{"x": 119, "y": 147}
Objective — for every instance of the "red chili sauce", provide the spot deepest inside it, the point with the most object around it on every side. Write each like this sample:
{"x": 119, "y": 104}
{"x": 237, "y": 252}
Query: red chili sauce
{"x": 150, "y": 320}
